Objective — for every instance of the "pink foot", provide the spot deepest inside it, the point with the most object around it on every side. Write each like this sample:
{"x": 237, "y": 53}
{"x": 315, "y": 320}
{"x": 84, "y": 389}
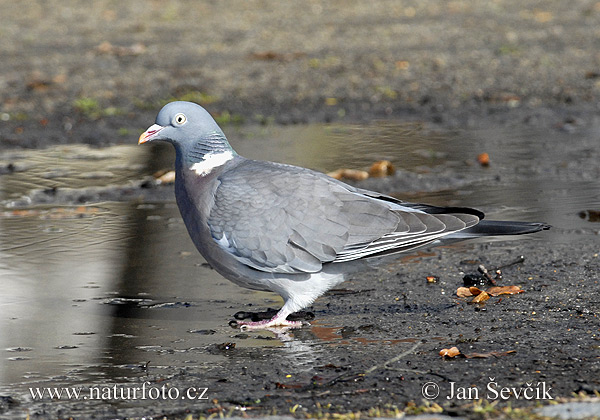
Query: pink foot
{"x": 267, "y": 324}
{"x": 278, "y": 321}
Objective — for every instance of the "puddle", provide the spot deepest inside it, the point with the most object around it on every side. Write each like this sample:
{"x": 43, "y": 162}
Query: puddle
{"x": 95, "y": 288}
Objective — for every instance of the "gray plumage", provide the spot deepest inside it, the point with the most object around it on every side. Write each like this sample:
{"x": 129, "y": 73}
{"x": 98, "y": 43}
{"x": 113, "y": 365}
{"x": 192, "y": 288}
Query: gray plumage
{"x": 288, "y": 229}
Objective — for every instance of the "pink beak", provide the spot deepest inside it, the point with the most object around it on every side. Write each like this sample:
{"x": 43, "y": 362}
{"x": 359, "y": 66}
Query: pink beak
{"x": 149, "y": 133}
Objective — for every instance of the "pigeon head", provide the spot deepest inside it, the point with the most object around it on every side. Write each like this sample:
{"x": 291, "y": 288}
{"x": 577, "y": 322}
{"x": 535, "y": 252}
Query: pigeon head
{"x": 191, "y": 129}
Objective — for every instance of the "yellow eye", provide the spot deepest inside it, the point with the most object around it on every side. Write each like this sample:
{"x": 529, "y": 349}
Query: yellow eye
{"x": 180, "y": 119}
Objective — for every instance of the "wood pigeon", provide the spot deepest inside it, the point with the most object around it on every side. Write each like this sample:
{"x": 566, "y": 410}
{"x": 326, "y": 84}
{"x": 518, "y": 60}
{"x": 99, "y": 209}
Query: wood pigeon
{"x": 290, "y": 230}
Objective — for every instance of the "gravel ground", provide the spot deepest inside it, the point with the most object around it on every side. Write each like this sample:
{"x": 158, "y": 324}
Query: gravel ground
{"x": 97, "y": 73}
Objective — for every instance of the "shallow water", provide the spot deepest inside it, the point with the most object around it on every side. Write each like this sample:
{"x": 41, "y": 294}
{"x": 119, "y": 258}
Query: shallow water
{"x": 91, "y": 292}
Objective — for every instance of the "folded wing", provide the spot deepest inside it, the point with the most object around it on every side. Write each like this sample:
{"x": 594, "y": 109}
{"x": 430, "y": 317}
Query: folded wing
{"x": 285, "y": 219}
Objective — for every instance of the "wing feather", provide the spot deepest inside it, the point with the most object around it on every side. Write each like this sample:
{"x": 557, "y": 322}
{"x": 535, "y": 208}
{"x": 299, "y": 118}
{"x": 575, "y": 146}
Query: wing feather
{"x": 285, "y": 219}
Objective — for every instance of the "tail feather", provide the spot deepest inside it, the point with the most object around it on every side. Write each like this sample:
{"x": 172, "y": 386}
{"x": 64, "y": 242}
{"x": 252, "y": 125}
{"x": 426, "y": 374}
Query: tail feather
{"x": 499, "y": 228}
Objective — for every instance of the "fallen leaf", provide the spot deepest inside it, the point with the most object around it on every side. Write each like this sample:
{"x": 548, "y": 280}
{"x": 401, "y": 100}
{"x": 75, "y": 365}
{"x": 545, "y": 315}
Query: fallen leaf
{"x": 481, "y": 297}
{"x": 463, "y": 292}
{"x": 166, "y": 178}
{"x": 353, "y": 174}
{"x": 468, "y": 291}
{"x": 475, "y": 290}
{"x": 451, "y": 352}
{"x": 504, "y": 290}
{"x": 483, "y": 159}
{"x": 381, "y": 169}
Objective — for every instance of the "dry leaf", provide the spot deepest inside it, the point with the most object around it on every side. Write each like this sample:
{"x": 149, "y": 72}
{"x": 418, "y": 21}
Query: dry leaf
{"x": 451, "y": 352}
{"x": 463, "y": 292}
{"x": 475, "y": 290}
{"x": 504, "y": 290}
{"x": 167, "y": 178}
{"x": 164, "y": 176}
{"x": 481, "y": 297}
{"x": 483, "y": 159}
{"x": 353, "y": 174}
{"x": 468, "y": 291}
{"x": 381, "y": 169}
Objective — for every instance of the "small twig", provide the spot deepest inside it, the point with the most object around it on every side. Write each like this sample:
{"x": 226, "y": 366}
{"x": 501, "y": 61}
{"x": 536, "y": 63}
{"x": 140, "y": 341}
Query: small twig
{"x": 520, "y": 259}
{"x": 351, "y": 375}
{"x": 486, "y": 274}
{"x": 393, "y": 359}
{"x": 498, "y": 270}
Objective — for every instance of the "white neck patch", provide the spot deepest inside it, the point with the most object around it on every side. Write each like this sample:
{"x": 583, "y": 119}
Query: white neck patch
{"x": 211, "y": 161}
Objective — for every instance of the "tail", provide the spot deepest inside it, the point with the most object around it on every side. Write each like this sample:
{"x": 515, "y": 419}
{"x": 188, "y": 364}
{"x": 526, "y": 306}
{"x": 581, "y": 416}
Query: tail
{"x": 499, "y": 228}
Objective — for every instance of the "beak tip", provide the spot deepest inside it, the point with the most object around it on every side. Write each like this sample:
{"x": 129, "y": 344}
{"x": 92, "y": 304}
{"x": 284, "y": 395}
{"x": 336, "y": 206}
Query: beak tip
{"x": 149, "y": 133}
